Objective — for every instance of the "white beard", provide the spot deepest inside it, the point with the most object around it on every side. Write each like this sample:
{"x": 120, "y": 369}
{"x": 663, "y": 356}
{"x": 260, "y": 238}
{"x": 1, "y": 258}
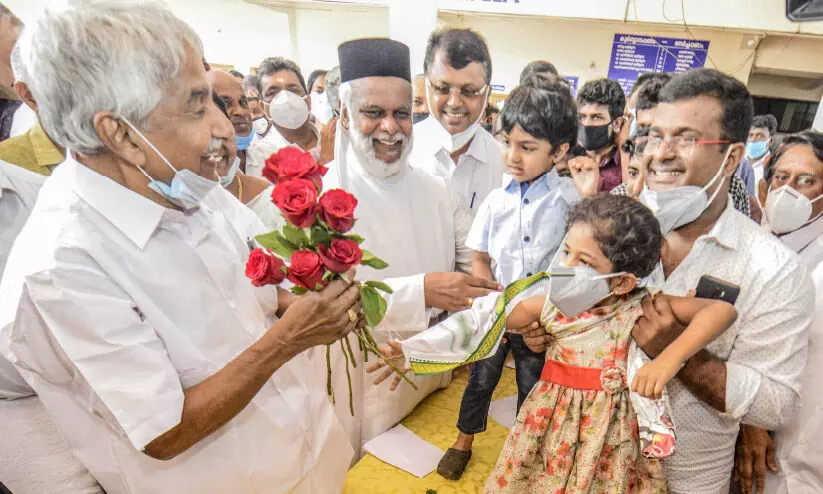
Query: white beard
{"x": 364, "y": 151}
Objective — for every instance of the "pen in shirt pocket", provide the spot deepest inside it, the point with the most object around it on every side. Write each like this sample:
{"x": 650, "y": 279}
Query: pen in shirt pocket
{"x": 471, "y": 206}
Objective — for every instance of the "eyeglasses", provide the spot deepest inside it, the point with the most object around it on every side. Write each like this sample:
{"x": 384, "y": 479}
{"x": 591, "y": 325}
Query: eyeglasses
{"x": 465, "y": 92}
{"x": 684, "y": 146}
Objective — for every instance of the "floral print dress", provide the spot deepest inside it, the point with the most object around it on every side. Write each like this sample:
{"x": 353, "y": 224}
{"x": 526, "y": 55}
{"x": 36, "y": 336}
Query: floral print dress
{"x": 570, "y": 440}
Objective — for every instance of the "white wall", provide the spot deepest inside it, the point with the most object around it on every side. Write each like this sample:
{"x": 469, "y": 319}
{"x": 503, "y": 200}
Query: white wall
{"x": 321, "y": 29}
{"x": 582, "y": 48}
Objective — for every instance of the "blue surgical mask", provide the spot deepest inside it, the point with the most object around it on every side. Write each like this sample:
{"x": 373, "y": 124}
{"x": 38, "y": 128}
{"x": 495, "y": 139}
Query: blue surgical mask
{"x": 186, "y": 190}
{"x": 244, "y": 141}
{"x": 228, "y": 178}
{"x": 756, "y": 149}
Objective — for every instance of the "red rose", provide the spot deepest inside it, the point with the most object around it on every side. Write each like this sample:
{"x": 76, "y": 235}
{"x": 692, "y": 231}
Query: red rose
{"x": 290, "y": 163}
{"x": 307, "y": 270}
{"x": 264, "y": 268}
{"x": 341, "y": 256}
{"x": 297, "y": 199}
{"x": 337, "y": 210}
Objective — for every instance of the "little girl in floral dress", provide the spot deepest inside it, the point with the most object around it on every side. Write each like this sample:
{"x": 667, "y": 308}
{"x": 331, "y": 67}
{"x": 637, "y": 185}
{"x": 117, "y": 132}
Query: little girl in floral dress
{"x": 577, "y": 432}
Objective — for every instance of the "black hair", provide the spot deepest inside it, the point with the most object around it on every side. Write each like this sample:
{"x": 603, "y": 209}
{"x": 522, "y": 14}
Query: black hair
{"x": 313, "y": 78}
{"x": 603, "y": 92}
{"x": 491, "y": 110}
{"x": 461, "y": 47}
{"x": 648, "y": 92}
{"x": 636, "y": 145}
{"x": 576, "y": 151}
{"x": 735, "y": 101}
{"x": 273, "y": 65}
{"x": 251, "y": 81}
{"x": 543, "y": 109}
{"x": 807, "y": 137}
{"x": 625, "y": 230}
{"x": 236, "y": 73}
{"x": 538, "y": 67}
{"x": 765, "y": 122}
{"x": 648, "y": 76}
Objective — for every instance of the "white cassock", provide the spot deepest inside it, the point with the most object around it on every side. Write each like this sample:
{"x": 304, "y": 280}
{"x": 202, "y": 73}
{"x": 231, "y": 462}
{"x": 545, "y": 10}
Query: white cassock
{"x": 417, "y": 225}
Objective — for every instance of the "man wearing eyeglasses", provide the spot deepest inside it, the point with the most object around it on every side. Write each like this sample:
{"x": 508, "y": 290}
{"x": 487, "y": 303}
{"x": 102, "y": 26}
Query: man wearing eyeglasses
{"x": 752, "y": 373}
{"x": 453, "y": 144}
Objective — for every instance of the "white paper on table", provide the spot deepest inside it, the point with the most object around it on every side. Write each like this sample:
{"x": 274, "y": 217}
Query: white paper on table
{"x": 504, "y": 411}
{"x": 405, "y": 450}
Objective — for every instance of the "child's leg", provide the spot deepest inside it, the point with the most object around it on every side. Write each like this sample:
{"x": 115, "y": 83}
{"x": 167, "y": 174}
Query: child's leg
{"x": 474, "y": 411}
{"x": 485, "y": 374}
{"x": 528, "y": 367}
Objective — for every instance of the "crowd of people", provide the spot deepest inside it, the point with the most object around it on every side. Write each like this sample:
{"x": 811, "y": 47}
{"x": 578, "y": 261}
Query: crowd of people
{"x": 651, "y": 261}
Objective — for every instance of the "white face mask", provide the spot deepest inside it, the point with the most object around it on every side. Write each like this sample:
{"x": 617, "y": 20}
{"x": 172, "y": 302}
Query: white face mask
{"x": 228, "y": 178}
{"x": 574, "y": 290}
{"x": 682, "y": 205}
{"x": 260, "y": 125}
{"x": 788, "y": 210}
{"x": 453, "y": 142}
{"x": 320, "y": 107}
{"x": 289, "y": 110}
{"x": 187, "y": 189}
{"x": 364, "y": 151}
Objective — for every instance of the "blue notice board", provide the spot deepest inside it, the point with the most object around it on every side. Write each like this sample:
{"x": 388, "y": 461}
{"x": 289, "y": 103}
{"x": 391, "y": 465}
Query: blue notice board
{"x": 572, "y": 80}
{"x": 633, "y": 55}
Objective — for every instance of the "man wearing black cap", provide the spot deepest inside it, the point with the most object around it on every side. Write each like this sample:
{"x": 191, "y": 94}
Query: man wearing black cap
{"x": 408, "y": 218}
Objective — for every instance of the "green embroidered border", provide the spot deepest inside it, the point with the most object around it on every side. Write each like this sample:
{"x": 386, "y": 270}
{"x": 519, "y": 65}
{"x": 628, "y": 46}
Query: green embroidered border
{"x": 425, "y": 367}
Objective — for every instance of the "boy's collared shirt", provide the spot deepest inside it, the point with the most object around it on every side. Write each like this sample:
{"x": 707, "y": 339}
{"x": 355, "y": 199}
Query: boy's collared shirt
{"x": 521, "y": 226}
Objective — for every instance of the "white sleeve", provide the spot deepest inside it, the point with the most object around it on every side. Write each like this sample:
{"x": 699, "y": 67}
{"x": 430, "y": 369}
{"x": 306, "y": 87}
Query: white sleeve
{"x": 406, "y": 306}
{"x": 77, "y": 313}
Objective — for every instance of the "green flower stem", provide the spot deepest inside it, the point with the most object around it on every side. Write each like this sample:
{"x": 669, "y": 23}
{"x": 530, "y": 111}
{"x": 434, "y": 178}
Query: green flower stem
{"x": 329, "y": 388}
{"x": 348, "y": 375}
{"x": 351, "y": 353}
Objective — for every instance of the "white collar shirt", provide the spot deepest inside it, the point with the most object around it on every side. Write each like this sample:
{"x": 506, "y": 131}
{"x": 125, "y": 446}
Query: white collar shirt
{"x": 477, "y": 172}
{"x": 114, "y": 305}
{"x": 521, "y": 230}
{"x": 417, "y": 225}
{"x": 799, "y": 445}
{"x": 18, "y": 192}
{"x": 765, "y": 349}
{"x": 759, "y": 166}
{"x": 261, "y": 147}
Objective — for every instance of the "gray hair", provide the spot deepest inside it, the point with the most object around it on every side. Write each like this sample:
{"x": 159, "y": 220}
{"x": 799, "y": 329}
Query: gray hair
{"x": 101, "y": 55}
{"x": 333, "y": 87}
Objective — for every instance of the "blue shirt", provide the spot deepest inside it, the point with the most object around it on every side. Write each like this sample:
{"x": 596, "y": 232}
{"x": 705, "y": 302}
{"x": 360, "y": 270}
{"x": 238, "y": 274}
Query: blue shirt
{"x": 521, "y": 226}
{"x": 746, "y": 173}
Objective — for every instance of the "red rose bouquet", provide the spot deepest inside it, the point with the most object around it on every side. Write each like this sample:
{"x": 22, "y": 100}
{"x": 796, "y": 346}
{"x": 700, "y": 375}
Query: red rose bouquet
{"x": 317, "y": 245}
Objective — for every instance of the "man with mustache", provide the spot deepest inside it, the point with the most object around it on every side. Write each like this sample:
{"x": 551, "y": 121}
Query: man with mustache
{"x": 453, "y": 143}
{"x": 408, "y": 218}
{"x": 230, "y": 91}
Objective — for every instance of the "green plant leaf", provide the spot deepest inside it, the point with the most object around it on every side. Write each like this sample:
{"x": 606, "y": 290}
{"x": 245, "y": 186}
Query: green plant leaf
{"x": 356, "y": 238}
{"x": 380, "y": 286}
{"x": 373, "y": 261}
{"x": 374, "y": 305}
{"x": 328, "y": 275}
{"x": 275, "y": 242}
{"x": 298, "y": 290}
{"x": 297, "y": 236}
{"x": 318, "y": 287}
{"x": 320, "y": 235}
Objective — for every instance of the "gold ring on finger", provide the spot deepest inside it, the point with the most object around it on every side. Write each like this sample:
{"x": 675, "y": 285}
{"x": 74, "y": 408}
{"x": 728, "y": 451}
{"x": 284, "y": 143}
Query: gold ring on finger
{"x": 470, "y": 301}
{"x": 352, "y": 316}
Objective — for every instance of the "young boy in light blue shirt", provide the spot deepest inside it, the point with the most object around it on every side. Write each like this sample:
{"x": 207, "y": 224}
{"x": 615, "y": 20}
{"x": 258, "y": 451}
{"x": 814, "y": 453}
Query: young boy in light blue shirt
{"x": 516, "y": 232}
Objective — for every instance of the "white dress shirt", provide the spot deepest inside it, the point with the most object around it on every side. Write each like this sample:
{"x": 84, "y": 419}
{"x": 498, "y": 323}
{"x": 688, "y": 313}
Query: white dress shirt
{"x": 261, "y": 147}
{"x": 113, "y": 305}
{"x": 521, "y": 226}
{"x": 799, "y": 445}
{"x": 759, "y": 166}
{"x": 765, "y": 349}
{"x": 18, "y": 192}
{"x": 417, "y": 225}
{"x": 477, "y": 172}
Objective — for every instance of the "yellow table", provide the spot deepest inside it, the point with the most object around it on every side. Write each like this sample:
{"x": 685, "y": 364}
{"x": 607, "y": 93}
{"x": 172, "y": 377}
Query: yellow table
{"x": 434, "y": 420}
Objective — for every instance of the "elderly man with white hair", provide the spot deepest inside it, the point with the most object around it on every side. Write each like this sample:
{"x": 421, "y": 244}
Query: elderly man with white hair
{"x": 409, "y": 218}
{"x": 124, "y": 303}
